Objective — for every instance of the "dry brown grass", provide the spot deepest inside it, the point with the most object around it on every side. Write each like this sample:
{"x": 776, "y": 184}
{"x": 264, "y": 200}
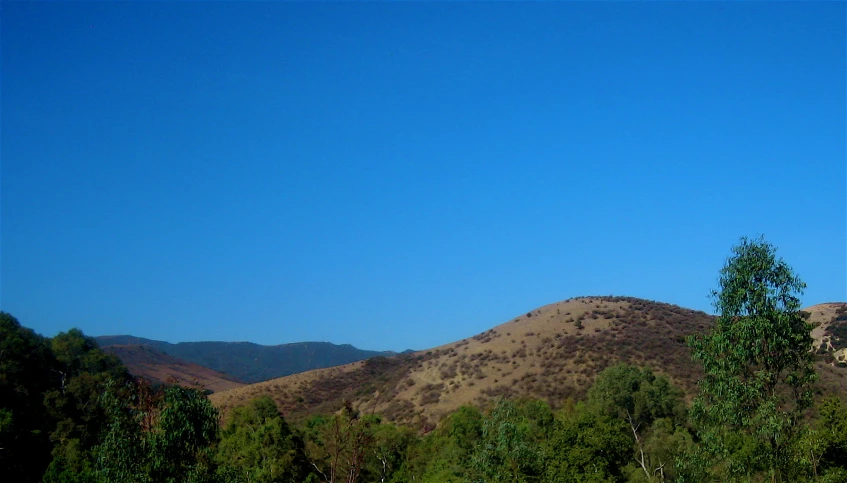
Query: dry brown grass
{"x": 160, "y": 368}
{"x": 552, "y": 353}
{"x": 821, "y": 316}
{"x": 831, "y": 365}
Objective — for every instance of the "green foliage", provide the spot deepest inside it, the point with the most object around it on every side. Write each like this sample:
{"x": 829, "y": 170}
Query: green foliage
{"x": 464, "y": 427}
{"x": 187, "y": 427}
{"x": 636, "y": 395}
{"x": 588, "y": 446}
{"x": 758, "y": 367}
{"x": 435, "y": 458}
{"x": 339, "y": 446}
{"x": 67, "y": 400}
{"x": 824, "y": 447}
{"x": 259, "y": 443}
{"x": 657, "y": 451}
{"x": 121, "y": 454}
{"x": 390, "y": 447}
{"x": 443, "y": 454}
{"x": 70, "y": 413}
{"x": 537, "y": 420}
{"x": 25, "y": 374}
{"x": 652, "y": 408}
{"x": 81, "y": 373}
{"x": 506, "y": 451}
{"x": 167, "y": 438}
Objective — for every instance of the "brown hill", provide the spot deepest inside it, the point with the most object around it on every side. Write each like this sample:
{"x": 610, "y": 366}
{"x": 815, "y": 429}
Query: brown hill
{"x": 552, "y": 353}
{"x": 827, "y": 318}
{"x": 830, "y": 334}
{"x": 158, "y": 367}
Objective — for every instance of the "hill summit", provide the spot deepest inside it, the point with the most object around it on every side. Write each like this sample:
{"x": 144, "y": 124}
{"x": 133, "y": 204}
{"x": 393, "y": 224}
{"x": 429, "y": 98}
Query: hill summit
{"x": 552, "y": 353}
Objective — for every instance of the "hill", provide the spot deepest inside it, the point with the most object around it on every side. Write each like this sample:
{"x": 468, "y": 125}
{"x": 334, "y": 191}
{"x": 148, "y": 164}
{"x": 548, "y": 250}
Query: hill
{"x": 552, "y": 353}
{"x": 831, "y": 331}
{"x": 249, "y": 362}
{"x": 830, "y": 336}
{"x": 160, "y": 368}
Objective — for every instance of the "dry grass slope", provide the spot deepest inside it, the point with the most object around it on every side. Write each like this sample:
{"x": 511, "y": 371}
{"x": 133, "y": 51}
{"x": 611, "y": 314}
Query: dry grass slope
{"x": 160, "y": 368}
{"x": 831, "y": 365}
{"x": 552, "y": 353}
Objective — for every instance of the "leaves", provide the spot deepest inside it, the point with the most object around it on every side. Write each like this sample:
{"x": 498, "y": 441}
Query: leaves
{"x": 259, "y": 443}
{"x": 757, "y": 361}
{"x": 174, "y": 446}
{"x": 25, "y": 374}
{"x": 505, "y": 452}
{"x": 588, "y": 446}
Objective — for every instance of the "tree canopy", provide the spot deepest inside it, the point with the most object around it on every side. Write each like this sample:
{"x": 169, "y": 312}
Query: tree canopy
{"x": 758, "y": 365}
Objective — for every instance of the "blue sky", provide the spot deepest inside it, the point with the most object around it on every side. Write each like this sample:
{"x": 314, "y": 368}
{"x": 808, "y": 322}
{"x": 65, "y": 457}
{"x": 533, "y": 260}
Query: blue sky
{"x": 404, "y": 175}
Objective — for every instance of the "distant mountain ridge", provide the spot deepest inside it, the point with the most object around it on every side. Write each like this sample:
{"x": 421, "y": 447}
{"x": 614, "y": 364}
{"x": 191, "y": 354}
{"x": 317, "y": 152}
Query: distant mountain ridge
{"x": 552, "y": 353}
{"x": 251, "y": 362}
{"x": 143, "y": 360}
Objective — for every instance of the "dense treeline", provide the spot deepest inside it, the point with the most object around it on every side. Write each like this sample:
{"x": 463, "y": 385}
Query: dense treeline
{"x": 71, "y": 413}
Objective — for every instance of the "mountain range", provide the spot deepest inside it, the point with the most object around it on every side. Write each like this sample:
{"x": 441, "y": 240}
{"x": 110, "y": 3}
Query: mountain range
{"x": 160, "y": 368}
{"x": 239, "y": 361}
{"x": 552, "y": 353}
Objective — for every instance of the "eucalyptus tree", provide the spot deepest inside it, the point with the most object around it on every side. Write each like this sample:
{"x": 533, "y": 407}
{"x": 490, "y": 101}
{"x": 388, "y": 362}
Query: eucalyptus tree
{"x": 506, "y": 451}
{"x": 158, "y": 437}
{"x": 758, "y": 367}
{"x": 261, "y": 446}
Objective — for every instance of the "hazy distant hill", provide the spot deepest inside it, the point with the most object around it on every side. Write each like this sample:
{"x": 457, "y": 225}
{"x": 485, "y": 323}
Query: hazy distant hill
{"x": 251, "y": 362}
{"x": 552, "y": 353}
{"x": 160, "y": 368}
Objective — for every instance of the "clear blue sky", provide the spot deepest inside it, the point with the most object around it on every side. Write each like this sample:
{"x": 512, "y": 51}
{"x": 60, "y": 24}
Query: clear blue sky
{"x": 404, "y": 175}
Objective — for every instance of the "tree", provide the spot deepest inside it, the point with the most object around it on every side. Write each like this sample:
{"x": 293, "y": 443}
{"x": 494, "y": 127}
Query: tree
{"x": 641, "y": 399}
{"x": 442, "y": 455}
{"x": 80, "y": 374}
{"x": 25, "y": 368}
{"x": 464, "y": 427}
{"x": 435, "y": 458}
{"x": 588, "y": 446}
{"x": 261, "y": 445}
{"x": 635, "y": 395}
{"x": 758, "y": 365}
{"x": 823, "y": 448}
{"x": 165, "y": 437}
{"x": 338, "y": 446}
{"x": 390, "y": 445}
{"x": 505, "y": 452}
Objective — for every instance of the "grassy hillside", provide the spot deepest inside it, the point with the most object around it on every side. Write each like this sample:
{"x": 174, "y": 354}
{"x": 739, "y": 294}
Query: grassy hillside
{"x": 831, "y": 344}
{"x": 160, "y": 368}
{"x": 552, "y": 353}
{"x": 251, "y": 362}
